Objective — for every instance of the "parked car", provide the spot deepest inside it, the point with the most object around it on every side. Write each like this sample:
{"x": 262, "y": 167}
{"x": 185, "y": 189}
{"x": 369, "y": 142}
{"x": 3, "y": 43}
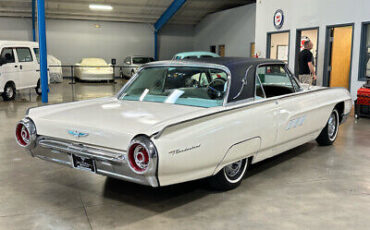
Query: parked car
{"x": 194, "y": 55}
{"x": 94, "y": 69}
{"x": 164, "y": 128}
{"x": 132, "y": 63}
{"x": 19, "y": 68}
{"x": 55, "y": 69}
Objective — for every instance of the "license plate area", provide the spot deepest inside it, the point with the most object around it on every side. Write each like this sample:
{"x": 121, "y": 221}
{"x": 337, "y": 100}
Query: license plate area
{"x": 84, "y": 163}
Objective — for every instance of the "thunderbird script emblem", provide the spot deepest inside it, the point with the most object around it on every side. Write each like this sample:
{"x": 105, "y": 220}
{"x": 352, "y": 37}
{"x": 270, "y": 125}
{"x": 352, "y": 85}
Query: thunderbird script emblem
{"x": 77, "y": 134}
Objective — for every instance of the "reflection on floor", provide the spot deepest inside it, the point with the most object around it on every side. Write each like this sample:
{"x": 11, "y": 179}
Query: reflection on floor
{"x": 310, "y": 187}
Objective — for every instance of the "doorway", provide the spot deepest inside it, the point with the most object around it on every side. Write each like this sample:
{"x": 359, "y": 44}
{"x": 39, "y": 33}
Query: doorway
{"x": 278, "y": 46}
{"x": 338, "y": 61}
{"x": 221, "y": 50}
{"x": 212, "y": 49}
{"x": 253, "y": 50}
{"x": 309, "y": 34}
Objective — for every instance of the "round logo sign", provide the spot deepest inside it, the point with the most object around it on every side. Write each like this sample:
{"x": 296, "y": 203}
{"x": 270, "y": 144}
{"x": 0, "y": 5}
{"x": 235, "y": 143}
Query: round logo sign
{"x": 278, "y": 19}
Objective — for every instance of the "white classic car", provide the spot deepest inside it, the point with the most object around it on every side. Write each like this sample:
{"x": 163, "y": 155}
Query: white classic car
{"x": 94, "y": 69}
{"x": 19, "y": 68}
{"x": 132, "y": 64}
{"x": 177, "y": 121}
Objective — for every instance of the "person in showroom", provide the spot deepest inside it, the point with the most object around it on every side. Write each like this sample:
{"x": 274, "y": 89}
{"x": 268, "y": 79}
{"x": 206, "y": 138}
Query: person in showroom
{"x": 306, "y": 64}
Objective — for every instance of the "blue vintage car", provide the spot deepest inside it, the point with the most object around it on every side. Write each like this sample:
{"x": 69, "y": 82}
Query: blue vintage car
{"x": 194, "y": 55}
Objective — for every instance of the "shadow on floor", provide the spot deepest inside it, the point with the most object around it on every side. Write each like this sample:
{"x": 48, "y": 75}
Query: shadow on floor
{"x": 166, "y": 198}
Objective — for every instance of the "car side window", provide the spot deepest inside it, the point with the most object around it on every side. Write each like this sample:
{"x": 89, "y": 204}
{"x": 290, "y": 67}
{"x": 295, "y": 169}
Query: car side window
{"x": 127, "y": 61}
{"x": 7, "y": 55}
{"x": 275, "y": 80}
{"x": 293, "y": 79}
{"x": 24, "y": 55}
{"x": 260, "y": 94}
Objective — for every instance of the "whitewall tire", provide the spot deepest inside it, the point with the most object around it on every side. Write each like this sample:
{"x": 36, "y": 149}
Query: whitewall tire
{"x": 230, "y": 176}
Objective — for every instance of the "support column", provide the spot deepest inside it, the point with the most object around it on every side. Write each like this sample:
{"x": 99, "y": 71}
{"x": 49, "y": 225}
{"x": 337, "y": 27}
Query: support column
{"x": 43, "y": 51}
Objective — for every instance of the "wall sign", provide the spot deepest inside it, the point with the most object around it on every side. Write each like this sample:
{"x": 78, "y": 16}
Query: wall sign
{"x": 279, "y": 19}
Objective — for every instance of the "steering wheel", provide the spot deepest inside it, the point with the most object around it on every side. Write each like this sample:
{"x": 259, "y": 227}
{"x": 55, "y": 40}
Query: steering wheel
{"x": 215, "y": 89}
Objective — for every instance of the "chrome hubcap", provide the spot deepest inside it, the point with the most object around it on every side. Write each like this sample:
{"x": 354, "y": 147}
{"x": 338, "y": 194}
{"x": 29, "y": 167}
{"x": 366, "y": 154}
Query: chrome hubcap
{"x": 9, "y": 92}
{"x": 232, "y": 169}
{"x": 332, "y": 123}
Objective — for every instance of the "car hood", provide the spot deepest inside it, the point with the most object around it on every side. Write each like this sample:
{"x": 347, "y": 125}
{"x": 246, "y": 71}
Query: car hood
{"x": 107, "y": 122}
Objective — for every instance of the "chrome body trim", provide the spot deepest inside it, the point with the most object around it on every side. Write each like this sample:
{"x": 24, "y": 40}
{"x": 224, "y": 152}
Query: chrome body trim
{"x": 108, "y": 162}
{"x": 240, "y": 105}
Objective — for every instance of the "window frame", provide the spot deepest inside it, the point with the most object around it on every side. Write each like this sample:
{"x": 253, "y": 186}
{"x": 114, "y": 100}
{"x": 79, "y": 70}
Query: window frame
{"x": 287, "y": 72}
{"x": 12, "y": 48}
{"x": 34, "y": 51}
{"x": 365, "y": 26}
{"x": 28, "y": 48}
{"x": 257, "y": 78}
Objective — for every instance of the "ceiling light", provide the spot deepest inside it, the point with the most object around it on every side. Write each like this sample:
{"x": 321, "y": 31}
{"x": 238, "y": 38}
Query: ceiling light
{"x": 100, "y": 7}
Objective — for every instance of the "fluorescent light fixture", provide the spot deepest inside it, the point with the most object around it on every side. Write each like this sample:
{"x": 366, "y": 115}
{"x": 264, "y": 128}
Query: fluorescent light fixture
{"x": 100, "y": 7}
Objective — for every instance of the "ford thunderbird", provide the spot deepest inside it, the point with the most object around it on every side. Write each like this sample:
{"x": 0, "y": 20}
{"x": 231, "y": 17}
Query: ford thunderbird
{"x": 177, "y": 121}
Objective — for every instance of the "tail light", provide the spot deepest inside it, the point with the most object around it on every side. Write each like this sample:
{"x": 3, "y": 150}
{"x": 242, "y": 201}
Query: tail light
{"x": 142, "y": 155}
{"x": 25, "y": 133}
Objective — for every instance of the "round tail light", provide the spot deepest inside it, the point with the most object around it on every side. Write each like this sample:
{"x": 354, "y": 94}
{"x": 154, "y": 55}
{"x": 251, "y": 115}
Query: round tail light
{"x": 142, "y": 156}
{"x": 138, "y": 157}
{"x": 25, "y": 133}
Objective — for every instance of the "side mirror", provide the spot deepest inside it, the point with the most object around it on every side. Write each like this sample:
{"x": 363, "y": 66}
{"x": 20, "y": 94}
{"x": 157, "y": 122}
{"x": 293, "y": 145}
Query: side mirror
{"x": 113, "y": 61}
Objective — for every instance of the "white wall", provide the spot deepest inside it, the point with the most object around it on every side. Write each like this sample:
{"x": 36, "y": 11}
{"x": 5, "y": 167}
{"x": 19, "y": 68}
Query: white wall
{"x": 303, "y": 14}
{"x": 71, "y": 40}
{"x": 175, "y": 39}
{"x": 234, "y": 28}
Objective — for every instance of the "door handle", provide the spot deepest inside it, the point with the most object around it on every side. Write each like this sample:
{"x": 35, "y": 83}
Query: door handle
{"x": 20, "y": 66}
{"x": 15, "y": 66}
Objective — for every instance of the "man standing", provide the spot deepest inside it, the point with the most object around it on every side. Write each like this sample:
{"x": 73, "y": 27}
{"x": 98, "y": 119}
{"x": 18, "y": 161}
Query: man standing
{"x": 306, "y": 64}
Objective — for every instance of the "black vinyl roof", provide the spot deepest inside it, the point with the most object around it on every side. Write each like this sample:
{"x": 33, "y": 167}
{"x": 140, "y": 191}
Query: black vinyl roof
{"x": 238, "y": 67}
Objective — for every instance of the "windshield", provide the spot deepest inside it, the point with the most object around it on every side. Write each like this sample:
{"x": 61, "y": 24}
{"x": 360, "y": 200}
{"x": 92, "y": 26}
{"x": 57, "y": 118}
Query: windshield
{"x": 142, "y": 60}
{"x": 193, "y": 86}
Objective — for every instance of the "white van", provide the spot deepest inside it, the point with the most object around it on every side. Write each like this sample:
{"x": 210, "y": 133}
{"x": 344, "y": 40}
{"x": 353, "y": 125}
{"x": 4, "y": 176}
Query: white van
{"x": 19, "y": 67}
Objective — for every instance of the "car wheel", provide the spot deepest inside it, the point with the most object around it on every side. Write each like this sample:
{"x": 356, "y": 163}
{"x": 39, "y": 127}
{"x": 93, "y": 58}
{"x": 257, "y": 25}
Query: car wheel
{"x": 330, "y": 132}
{"x": 38, "y": 88}
{"x": 9, "y": 92}
{"x": 132, "y": 73}
{"x": 230, "y": 176}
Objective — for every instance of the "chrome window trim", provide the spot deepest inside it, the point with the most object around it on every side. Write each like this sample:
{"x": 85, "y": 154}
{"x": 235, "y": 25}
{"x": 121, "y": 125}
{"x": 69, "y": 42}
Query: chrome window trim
{"x": 181, "y": 63}
{"x": 255, "y": 88}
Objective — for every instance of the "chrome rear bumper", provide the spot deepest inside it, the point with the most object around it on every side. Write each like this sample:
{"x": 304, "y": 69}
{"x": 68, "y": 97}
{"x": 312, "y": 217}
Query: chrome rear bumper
{"x": 108, "y": 162}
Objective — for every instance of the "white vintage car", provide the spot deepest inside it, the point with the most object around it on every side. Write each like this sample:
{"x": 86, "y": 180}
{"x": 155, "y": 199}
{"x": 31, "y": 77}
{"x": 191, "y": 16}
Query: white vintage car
{"x": 94, "y": 69}
{"x": 177, "y": 121}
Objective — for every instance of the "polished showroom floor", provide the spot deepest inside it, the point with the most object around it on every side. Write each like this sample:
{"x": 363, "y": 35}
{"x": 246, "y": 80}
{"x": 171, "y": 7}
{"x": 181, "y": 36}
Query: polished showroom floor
{"x": 309, "y": 187}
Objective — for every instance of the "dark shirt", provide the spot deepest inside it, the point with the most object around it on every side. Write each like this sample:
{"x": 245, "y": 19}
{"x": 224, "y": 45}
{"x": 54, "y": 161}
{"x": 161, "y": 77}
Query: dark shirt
{"x": 305, "y": 56}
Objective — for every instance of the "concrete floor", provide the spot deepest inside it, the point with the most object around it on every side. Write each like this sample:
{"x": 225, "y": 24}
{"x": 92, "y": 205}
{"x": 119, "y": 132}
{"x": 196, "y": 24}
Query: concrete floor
{"x": 309, "y": 187}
